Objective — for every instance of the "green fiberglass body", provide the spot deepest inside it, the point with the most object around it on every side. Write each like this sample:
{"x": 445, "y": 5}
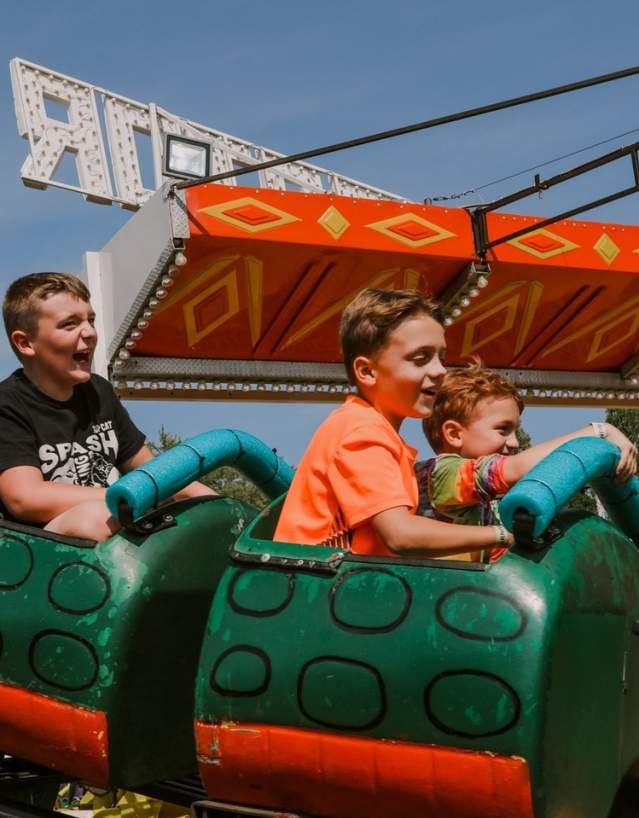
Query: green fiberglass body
{"x": 325, "y": 682}
{"x": 100, "y": 642}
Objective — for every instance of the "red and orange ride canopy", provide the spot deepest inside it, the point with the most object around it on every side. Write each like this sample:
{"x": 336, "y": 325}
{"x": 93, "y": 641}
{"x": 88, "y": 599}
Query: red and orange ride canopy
{"x": 269, "y": 272}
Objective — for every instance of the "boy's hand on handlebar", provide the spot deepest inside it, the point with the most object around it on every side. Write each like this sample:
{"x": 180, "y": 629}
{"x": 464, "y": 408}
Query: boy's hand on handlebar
{"x": 627, "y": 465}
{"x": 503, "y": 538}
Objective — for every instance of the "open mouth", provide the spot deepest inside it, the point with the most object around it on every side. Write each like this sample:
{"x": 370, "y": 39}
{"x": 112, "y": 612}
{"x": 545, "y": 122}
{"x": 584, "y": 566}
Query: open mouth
{"x": 83, "y": 357}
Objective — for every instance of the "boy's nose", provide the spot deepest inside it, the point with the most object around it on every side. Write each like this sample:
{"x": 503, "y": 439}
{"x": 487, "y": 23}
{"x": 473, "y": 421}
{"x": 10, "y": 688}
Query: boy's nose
{"x": 511, "y": 441}
{"x": 437, "y": 370}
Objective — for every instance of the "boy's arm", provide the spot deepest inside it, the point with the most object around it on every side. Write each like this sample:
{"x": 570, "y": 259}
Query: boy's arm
{"x": 453, "y": 482}
{"x": 409, "y": 535}
{"x": 25, "y": 493}
{"x": 195, "y": 489}
{"x": 517, "y": 465}
{"x": 32, "y": 499}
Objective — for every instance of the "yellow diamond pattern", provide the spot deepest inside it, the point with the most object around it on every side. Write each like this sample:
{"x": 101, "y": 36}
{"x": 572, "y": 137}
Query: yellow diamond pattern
{"x": 522, "y": 243}
{"x": 606, "y": 248}
{"x": 509, "y": 308}
{"x": 597, "y": 347}
{"x": 334, "y": 222}
{"x": 195, "y": 333}
{"x": 384, "y": 226}
{"x": 220, "y": 212}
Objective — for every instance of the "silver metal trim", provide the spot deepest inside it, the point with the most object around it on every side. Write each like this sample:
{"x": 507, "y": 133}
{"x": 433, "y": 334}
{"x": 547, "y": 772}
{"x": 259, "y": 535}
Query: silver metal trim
{"x": 136, "y": 308}
{"x": 198, "y": 379}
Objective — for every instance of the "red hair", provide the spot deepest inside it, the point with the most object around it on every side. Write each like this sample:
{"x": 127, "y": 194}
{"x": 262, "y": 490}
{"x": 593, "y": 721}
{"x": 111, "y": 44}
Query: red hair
{"x": 459, "y": 394}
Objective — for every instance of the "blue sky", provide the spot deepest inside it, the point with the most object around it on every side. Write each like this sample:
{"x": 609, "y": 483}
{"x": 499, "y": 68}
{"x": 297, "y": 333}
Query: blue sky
{"x": 293, "y": 75}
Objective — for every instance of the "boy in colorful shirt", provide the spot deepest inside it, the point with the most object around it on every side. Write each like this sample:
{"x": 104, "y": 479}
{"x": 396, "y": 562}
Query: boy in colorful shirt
{"x": 355, "y": 486}
{"x": 473, "y": 430}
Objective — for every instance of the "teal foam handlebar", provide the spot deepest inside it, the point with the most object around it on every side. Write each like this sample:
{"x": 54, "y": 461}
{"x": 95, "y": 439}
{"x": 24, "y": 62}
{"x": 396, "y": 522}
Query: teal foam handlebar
{"x": 552, "y": 482}
{"x": 149, "y": 485}
{"x": 621, "y": 501}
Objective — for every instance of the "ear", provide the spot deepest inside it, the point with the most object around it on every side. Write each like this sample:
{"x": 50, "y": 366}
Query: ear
{"x": 364, "y": 371}
{"x": 453, "y": 434}
{"x": 22, "y": 343}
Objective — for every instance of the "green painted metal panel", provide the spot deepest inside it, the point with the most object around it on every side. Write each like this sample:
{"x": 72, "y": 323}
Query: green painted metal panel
{"x": 118, "y": 627}
{"x": 533, "y": 656}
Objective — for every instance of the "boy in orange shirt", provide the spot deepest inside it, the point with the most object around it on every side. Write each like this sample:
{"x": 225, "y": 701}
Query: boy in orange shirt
{"x": 355, "y": 486}
{"x": 472, "y": 429}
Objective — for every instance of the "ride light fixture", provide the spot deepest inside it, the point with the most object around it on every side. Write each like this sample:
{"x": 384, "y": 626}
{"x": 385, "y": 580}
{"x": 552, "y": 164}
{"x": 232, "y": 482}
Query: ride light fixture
{"x": 186, "y": 158}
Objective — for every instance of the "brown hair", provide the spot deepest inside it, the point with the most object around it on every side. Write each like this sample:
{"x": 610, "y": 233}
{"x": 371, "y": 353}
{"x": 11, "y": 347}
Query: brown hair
{"x": 459, "y": 394}
{"x": 372, "y": 315}
{"x": 20, "y": 308}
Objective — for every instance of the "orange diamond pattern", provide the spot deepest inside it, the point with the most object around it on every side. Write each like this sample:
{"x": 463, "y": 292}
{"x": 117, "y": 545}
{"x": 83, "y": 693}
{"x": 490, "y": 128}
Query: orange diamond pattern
{"x": 411, "y": 229}
{"x": 601, "y": 344}
{"x": 508, "y": 307}
{"x": 222, "y": 300}
{"x": 249, "y": 214}
{"x": 543, "y": 244}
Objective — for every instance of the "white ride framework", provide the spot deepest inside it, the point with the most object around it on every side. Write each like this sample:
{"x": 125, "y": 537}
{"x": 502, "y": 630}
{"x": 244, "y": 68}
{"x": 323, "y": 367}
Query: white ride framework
{"x": 110, "y": 171}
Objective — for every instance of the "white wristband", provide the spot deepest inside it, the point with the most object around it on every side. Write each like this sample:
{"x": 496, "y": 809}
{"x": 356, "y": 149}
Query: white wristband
{"x": 599, "y": 429}
{"x": 501, "y": 536}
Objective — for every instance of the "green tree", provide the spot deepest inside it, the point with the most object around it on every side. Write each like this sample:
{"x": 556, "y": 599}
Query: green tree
{"x": 225, "y": 480}
{"x": 523, "y": 438}
{"x": 627, "y": 421}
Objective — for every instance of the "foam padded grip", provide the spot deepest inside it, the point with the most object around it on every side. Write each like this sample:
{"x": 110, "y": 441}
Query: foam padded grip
{"x": 558, "y": 477}
{"x": 146, "y": 487}
{"x": 621, "y": 501}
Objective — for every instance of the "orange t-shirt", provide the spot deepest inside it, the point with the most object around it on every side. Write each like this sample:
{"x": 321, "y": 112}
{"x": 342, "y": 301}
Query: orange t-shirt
{"x": 356, "y": 466}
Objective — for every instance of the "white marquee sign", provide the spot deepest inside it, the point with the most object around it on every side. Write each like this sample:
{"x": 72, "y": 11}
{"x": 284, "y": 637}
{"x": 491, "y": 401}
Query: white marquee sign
{"x": 110, "y": 171}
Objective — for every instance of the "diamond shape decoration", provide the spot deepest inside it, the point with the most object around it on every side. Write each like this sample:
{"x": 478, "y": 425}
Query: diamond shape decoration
{"x": 221, "y": 298}
{"x": 599, "y": 346}
{"x": 333, "y": 222}
{"x": 411, "y": 229}
{"x": 509, "y": 307}
{"x": 249, "y": 214}
{"x": 543, "y": 244}
{"x": 606, "y": 248}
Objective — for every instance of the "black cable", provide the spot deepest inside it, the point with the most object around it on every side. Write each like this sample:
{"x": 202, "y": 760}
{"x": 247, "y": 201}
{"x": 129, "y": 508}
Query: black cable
{"x": 418, "y": 126}
{"x": 450, "y": 196}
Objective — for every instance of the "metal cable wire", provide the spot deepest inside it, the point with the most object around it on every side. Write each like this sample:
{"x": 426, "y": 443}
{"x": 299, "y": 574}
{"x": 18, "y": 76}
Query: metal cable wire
{"x": 418, "y": 126}
{"x": 461, "y": 195}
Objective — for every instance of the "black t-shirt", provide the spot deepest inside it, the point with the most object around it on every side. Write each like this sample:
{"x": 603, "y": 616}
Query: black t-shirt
{"x": 82, "y": 441}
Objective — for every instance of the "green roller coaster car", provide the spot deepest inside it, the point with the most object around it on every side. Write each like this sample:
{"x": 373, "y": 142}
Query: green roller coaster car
{"x": 335, "y": 684}
{"x": 326, "y": 683}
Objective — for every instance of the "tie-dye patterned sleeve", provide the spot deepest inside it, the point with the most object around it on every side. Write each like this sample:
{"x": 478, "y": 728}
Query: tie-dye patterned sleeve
{"x": 456, "y": 481}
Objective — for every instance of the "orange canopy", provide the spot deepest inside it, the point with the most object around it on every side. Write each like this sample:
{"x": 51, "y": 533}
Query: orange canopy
{"x": 268, "y": 273}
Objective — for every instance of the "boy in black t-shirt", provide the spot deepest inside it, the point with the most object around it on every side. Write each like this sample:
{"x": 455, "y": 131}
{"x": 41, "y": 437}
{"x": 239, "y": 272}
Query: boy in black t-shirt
{"x": 64, "y": 435}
